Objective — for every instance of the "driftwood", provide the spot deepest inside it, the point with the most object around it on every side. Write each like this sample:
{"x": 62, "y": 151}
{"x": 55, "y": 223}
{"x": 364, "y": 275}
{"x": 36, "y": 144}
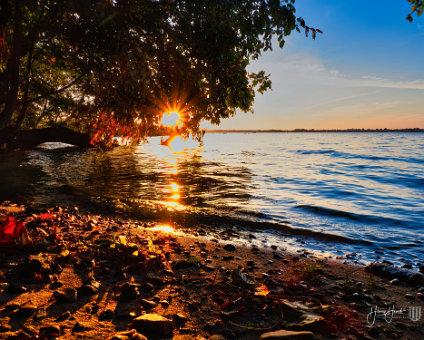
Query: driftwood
{"x": 31, "y": 138}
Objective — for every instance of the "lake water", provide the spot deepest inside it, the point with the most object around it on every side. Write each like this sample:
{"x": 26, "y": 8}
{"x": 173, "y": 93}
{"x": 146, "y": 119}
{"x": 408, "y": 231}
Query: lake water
{"x": 342, "y": 193}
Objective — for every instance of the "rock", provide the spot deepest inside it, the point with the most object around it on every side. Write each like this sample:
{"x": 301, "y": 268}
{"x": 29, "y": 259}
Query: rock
{"x": 89, "y": 288}
{"x": 13, "y": 288}
{"x": 394, "y": 281}
{"x": 287, "y": 335}
{"x": 148, "y": 303}
{"x": 180, "y": 319}
{"x": 81, "y": 327}
{"x": 164, "y": 303}
{"x": 25, "y": 311}
{"x": 128, "y": 335}
{"x": 407, "y": 266}
{"x": 147, "y": 288}
{"x": 107, "y": 314}
{"x": 250, "y": 263}
{"x": 277, "y": 256}
{"x": 390, "y": 271}
{"x": 129, "y": 292}
{"x": 46, "y": 332}
{"x": 153, "y": 324}
{"x": 409, "y": 296}
{"x": 421, "y": 269}
{"x": 230, "y": 247}
{"x": 66, "y": 295}
{"x": 216, "y": 337}
{"x": 420, "y": 296}
{"x": 64, "y": 316}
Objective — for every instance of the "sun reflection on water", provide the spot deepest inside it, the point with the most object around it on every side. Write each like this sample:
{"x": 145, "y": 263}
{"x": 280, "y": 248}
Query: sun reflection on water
{"x": 165, "y": 228}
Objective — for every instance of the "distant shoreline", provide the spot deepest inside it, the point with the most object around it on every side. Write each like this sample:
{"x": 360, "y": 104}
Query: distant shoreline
{"x": 314, "y": 130}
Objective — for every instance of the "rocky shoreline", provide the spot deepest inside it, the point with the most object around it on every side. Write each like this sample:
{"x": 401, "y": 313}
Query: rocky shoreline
{"x": 84, "y": 276}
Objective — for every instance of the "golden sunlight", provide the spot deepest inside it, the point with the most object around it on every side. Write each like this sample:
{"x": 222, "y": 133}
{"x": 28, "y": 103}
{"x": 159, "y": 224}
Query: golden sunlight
{"x": 171, "y": 118}
{"x": 166, "y": 228}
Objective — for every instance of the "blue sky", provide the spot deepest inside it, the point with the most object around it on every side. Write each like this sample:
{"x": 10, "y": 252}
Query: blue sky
{"x": 365, "y": 71}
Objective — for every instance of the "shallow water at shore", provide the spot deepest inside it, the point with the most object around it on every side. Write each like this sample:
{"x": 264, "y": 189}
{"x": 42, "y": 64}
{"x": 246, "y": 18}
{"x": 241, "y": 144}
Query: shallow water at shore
{"x": 339, "y": 192}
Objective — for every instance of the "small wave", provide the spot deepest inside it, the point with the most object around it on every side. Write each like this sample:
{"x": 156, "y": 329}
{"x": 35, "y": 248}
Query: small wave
{"x": 351, "y": 216}
{"x": 317, "y": 152}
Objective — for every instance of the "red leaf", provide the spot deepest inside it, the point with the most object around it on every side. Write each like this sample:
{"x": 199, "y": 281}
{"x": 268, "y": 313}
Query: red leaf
{"x": 11, "y": 229}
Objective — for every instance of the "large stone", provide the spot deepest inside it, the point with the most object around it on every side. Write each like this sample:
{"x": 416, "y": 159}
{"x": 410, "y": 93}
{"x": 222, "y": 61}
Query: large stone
{"x": 153, "y": 324}
{"x": 287, "y": 335}
{"x": 392, "y": 272}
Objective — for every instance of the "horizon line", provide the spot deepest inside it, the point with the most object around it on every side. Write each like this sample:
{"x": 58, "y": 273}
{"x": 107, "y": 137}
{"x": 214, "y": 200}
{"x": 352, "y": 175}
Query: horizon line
{"x": 311, "y": 130}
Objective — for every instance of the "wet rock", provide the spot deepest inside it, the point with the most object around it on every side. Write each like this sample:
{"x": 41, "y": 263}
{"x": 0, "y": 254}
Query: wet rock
{"x": 277, "y": 256}
{"x": 421, "y": 269}
{"x": 407, "y": 266}
{"x": 25, "y": 311}
{"x": 229, "y": 247}
{"x": 287, "y": 335}
{"x": 153, "y": 324}
{"x": 390, "y": 271}
{"x": 129, "y": 292}
{"x": 66, "y": 295}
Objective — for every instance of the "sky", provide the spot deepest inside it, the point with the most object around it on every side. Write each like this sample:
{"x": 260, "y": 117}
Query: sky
{"x": 365, "y": 70}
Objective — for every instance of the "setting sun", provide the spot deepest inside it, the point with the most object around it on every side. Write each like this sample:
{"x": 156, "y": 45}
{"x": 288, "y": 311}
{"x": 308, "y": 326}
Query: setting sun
{"x": 171, "y": 118}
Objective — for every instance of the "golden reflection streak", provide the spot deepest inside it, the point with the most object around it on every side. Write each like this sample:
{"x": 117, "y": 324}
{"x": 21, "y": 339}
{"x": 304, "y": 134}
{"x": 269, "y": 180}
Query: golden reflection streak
{"x": 166, "y": 228}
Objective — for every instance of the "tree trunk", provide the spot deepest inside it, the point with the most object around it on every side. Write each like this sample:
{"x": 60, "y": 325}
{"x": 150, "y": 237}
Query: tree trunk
{"x": 12, "y": 73}
{"x": 31, "y": 138}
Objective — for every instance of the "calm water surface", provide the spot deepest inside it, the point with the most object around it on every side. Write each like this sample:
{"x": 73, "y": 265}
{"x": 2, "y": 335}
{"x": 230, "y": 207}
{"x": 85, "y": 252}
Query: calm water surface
{"x": 366, "y": 187}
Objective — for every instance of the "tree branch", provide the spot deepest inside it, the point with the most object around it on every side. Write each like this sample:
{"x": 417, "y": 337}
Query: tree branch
{"x": 72, "y": 83}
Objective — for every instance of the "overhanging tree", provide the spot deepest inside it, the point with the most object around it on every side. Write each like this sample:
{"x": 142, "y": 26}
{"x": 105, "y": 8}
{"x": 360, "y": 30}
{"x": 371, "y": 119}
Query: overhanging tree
{"x": 108, "y": 67}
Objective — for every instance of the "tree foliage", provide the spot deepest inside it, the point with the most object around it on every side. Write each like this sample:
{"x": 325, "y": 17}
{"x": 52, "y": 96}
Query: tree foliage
{"x": 417, "y": 7}
{"x": 107, "y": 67}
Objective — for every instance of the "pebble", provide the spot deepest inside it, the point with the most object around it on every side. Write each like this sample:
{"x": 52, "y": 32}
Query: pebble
{"x": 289, "y": 335}
{"x": 66, "y": 295}
{"x": 229, "y": 247}
{"x": 153, "y": 325}
{"x": 164, "y": 303}
{"x": 409, "y": 296}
